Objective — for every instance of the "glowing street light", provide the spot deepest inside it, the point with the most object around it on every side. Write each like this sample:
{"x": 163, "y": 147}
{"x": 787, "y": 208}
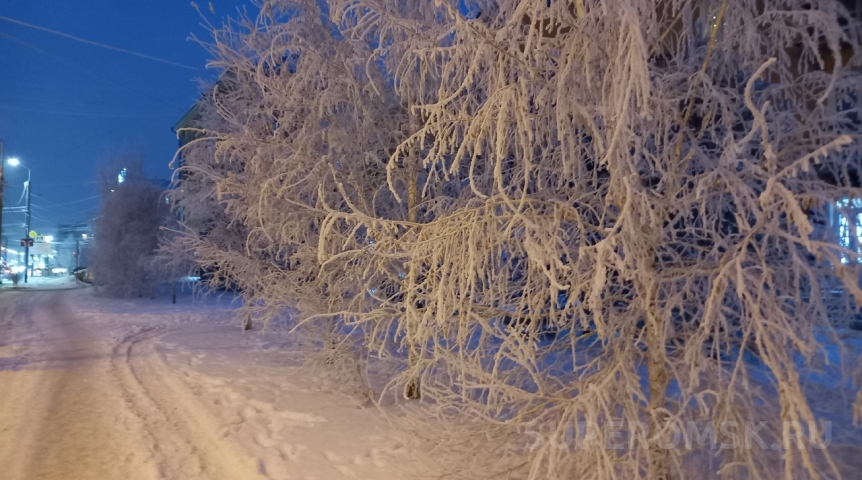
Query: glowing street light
{"x": 14, "y": 162}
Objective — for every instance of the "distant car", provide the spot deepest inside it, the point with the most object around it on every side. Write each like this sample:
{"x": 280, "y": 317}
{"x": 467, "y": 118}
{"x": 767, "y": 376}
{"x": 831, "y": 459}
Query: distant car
{"x": 83, "y": 274}
{"x": 10, "y": 275}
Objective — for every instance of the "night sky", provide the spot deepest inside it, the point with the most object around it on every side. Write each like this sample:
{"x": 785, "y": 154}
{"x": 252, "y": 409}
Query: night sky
{"x": 67, "y": 108}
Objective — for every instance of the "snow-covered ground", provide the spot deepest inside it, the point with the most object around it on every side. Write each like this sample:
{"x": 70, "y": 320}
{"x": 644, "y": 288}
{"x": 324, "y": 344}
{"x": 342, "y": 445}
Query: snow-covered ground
{"x": 111, "y": 389}
{"x": 96, "y": 388}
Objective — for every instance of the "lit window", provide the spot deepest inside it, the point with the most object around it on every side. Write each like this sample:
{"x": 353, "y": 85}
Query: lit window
{"x": 850, "y": 225}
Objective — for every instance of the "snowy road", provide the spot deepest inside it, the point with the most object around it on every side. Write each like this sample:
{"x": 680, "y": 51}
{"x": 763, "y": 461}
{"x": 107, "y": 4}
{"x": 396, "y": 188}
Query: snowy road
{"x": 75, "y": 404}
{"x": 141, "y": 389}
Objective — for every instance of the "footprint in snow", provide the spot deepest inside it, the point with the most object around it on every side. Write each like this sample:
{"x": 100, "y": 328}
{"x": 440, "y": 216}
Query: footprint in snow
{"x": 295, "y": 417}
{"x": 215, "y": 382}
{"x": 291, "y": 451}
{"x": 265, "y": 440}
{"x": 346, "y": 471}
{"x": 276, "y": 425}
{"x": 376, "y": 457}
{"x": 332, "y": 457}
{"x": 261, "y": 406}
{"x": 249, "y": 412}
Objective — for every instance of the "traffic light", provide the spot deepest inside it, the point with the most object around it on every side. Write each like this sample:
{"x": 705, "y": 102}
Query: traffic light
{"x": 26, "y": 242}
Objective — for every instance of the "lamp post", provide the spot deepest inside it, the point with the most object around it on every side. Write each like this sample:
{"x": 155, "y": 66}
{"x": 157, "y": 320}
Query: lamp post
{"x": 15, "y": 162}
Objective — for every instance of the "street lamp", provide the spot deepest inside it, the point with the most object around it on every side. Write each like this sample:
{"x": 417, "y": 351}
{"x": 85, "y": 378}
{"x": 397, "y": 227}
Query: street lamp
{"x": 17, "y": 163}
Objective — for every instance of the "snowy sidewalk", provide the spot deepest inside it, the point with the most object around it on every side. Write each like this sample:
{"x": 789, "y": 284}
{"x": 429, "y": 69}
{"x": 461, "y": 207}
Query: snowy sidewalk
{"x": 277, "y": 412}
{"x": 105, "y": 389}
{"x": 43, "y": 283}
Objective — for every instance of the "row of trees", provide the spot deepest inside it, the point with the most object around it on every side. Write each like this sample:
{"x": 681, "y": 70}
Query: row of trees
{"x": 441, "y": 182}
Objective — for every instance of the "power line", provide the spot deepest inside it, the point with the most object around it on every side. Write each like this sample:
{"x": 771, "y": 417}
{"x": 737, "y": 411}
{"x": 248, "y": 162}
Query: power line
{"x": 68, "y": 203}
{"x": 86, "y": 114}
{"x": 98, "y": 44}
{"x": 86, "y": 144}
{"x": 64, "y": 212}
{"x": 37, "y": 217}
{"x": 69, "y": 211}
{"x": 43, "y": 52}
{"x": 53, "y": 85}
{"x": 49, "y": 211}
{"x": 92, "y": 182}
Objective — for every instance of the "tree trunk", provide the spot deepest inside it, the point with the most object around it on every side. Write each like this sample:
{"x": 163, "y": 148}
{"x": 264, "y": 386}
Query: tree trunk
{"x": 412, "y": 390}
{"x": 658, "y": 383}
{"x": 246, "y": 323}
{"x": 659, "y": 378}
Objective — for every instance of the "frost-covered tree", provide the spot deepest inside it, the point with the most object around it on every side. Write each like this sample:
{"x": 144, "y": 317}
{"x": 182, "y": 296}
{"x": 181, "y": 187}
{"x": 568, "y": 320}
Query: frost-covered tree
{"x": 132, "y": 212}
{"x": 206, "y": 232}
{"x": 640, "y": 178}
{"x": 297, "y": 128}
{"x": 646, "y": 180}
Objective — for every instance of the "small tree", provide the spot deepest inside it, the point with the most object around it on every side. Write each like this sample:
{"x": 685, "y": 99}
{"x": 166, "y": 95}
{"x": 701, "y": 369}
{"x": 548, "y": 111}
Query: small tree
{"x": 127, "y": 230}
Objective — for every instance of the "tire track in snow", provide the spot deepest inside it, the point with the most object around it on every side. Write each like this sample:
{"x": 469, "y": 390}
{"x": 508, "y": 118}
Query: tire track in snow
{"x": 182, "y": 437}
{"x": 81, "y": 397}
{"x": 61, "y": 416}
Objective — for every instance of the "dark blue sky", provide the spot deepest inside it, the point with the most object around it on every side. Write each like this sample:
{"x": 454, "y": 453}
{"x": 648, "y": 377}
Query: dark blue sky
{"x": 64, "y": 122}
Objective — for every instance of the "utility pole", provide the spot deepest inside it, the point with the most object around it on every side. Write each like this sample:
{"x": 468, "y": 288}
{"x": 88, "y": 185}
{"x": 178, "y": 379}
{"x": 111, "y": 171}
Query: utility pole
{"x": 27, "y": 234}
{"x": 2, "y": 181}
